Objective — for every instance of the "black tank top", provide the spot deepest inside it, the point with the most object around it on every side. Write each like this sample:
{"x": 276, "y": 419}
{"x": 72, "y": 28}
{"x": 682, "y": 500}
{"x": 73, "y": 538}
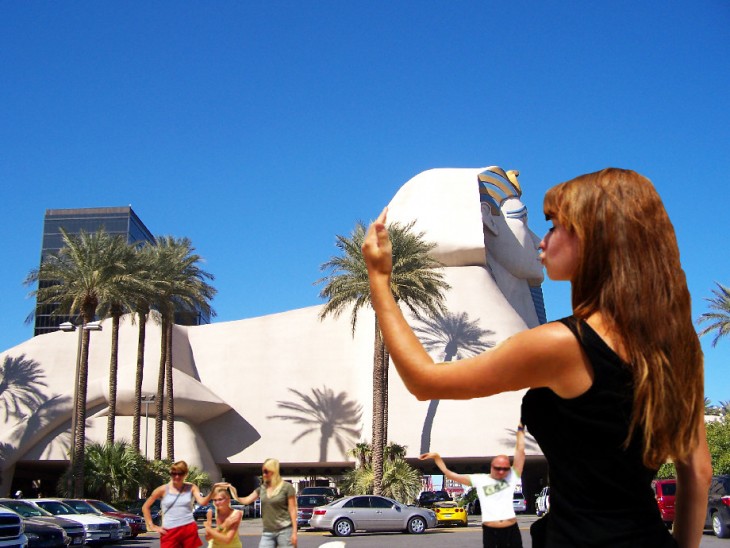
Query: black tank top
{"x": 600, "y": 491}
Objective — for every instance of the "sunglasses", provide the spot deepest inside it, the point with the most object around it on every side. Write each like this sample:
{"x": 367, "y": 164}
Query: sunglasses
{"x": 177, "y": 473}
{"x": 220, "y": 500}
{"x": 501, "y": 468}
{"x": 265, "y": 472}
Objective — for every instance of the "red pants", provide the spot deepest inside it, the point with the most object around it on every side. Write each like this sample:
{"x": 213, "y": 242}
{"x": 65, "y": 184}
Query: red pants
{"x": 185, "y": 536}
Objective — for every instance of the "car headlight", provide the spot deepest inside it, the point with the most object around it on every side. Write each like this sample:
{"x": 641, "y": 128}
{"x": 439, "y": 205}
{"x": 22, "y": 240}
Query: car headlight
{"x": 32, "y": 536}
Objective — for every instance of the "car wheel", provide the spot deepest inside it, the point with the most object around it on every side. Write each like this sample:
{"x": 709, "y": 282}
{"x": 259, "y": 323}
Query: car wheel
{"x": 720, "y": 529}
{"x": 416, "y": 525}
{"x": 342, "y": 528}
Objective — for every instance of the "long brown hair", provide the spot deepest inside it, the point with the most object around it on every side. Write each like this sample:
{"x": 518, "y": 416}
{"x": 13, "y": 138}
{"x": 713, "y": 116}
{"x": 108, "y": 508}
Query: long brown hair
{"x": 629, "y": 271}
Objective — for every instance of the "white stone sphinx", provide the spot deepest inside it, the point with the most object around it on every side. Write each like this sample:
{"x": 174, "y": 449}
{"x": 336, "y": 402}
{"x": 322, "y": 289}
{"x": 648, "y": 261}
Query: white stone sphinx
{"x": 237, "y": 382}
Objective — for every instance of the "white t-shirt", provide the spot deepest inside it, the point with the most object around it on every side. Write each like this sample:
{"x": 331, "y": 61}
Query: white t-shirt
{"x": 495, "y": 496}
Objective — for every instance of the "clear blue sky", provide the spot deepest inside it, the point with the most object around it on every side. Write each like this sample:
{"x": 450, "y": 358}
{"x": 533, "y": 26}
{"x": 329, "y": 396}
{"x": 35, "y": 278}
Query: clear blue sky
{"x": 262, "y": 129}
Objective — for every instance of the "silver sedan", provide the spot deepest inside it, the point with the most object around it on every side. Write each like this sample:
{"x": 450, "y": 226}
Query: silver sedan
{"x": 371, "y": 513}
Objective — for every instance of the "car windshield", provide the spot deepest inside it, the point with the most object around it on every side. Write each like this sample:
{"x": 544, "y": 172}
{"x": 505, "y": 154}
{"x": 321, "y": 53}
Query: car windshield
{"x": 311, "y": 501}
{"x": 56, "y": 508}
{"x": 24, "y": 509}
{"x": 103, "y": 506}
{"x": 82, "y": 507}
{"x": 669, "y": 489}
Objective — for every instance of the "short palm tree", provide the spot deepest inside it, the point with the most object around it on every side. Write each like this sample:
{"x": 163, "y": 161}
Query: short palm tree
{"x": 416, "y": 282}
{"x": 333, "y": 416}
{"x": 181, "y": 287}
{"x": 720, "y": 319}
{"x": 112, "y": 471}
{"x": 81, "y": 276}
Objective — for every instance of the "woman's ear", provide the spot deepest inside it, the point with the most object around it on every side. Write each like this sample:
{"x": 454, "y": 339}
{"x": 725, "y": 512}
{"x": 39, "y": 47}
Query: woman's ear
{"x": 488, "y": 219}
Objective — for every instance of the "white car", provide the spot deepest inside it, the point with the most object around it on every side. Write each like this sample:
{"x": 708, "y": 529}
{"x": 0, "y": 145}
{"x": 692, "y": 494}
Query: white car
{"x": 99, "y": 530}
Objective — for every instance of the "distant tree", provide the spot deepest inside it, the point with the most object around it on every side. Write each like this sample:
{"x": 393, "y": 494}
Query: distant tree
{"x": 363, "y": 452}
{"x": 400, "y": 481}
{"x": 718, "y": 438}
{"x": 719, "y": 321}
{"x": 416, "y": 281}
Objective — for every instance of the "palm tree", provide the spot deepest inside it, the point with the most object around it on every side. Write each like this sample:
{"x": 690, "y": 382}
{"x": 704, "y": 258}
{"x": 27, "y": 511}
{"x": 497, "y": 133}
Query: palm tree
{"x": 78, "y": 278}
{"x": 333, "y": 416}
{"x": 145, "y": 275}
{"x": 458, "y": 337}
{"x": 363, "y": 452}
{"x": 416, "y": 281}
{"x": 400, "y": 481}
{"x": 119, "y": 299}
{"x": 182, "y": 287}
{"x": 112, "y": 471}
{"x": 720, "y": 320}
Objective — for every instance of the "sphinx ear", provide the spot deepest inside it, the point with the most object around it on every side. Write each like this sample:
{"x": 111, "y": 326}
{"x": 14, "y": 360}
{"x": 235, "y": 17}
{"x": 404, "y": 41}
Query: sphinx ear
{"x": 488, "y": 219}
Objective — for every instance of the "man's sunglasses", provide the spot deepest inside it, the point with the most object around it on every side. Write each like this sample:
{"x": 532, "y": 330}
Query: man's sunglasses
{"x": 501, "y": 468}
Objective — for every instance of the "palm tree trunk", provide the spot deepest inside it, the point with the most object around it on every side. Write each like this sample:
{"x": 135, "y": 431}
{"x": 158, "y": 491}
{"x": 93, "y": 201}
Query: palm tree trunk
{"x": 386, "y": 371}
{"x": 138, "y": 377}
{"x": 77, "y": 470}
{"x": 113, "y": 368}
{"x": 431, "y": 414}
{"x": 160, "y": 390}
{"x": 378, "y": 439}
{"x": 170, "y": 411}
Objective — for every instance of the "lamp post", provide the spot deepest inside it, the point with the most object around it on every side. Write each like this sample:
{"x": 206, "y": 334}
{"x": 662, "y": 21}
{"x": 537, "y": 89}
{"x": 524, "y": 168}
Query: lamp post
{"x": 147, "y": 400}
{"x": 68, "y": 326}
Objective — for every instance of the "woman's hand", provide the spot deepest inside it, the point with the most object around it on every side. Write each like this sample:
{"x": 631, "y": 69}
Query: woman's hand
{"x": 427, "y": 456}
{"x": 294, "y": 538}
{"x": 376, "y": 248}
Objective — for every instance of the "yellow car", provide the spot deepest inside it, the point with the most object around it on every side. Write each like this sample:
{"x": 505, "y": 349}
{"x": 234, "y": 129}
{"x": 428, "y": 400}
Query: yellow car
{"x": 449, "y": 512}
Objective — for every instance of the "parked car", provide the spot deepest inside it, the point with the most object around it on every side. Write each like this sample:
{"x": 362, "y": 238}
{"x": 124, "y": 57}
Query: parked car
{"x": 449, "y": 512}
{"x": 330, "y": 492}
{"x": 664, "y": 491}
{"x": 155, "y": 510}
{"x": 12, "y": 530}
{"x": 135, "y": 522}
{"x": 427, "y": 498}
{"x": 45, "y": 535}
{"x": 200, "y": 512}
{"x": 371, "y": 513}
{"x": 306, "y": 505}
{"x": 98, "y": 529}
{"x": 519, "y": 503}
{"x": 718, "y": 507}
{"x": 83, "y": 507}
{"x": 74, "y": 530}
{"x": 542, "y": 503}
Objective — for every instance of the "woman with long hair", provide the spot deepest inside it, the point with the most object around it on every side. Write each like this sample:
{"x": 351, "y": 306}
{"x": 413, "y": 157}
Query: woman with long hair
{"x": 227, "y": 520}
{"x": 615, "y": 390}
{"x": 278, "y": 507}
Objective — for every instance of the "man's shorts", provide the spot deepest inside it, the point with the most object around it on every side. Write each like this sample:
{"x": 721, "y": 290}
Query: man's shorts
{"x": 185, "y": 536}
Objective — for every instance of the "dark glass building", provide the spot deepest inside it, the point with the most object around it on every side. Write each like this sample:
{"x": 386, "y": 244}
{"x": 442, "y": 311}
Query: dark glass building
{"x": 120, "y": 221}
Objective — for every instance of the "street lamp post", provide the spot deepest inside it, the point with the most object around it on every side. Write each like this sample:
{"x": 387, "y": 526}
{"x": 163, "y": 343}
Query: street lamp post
{"x": 68, "y": 326}
{"x": 147, "y": 400}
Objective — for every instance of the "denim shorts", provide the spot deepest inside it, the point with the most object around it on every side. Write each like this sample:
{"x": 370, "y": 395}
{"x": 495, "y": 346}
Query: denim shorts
{"x": 282, "y": 537}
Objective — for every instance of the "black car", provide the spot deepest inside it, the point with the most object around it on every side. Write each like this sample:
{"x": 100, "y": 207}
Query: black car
{"x": 428, "y": 498}
{"x": 201, "y": 512}
{"x": 718, "y": 507}
{"x": 155, "y": 510}
{"x": 45, "y": 535}
{"x": 74, "y": 531}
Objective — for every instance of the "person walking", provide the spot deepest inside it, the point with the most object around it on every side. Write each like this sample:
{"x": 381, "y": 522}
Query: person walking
{"x": 278, "y": 507}
{"x": 614, "y": 390}
{"x": 227, "y": 520}
{"x": 495, "y": 491}
{"x": 178, "y": 529}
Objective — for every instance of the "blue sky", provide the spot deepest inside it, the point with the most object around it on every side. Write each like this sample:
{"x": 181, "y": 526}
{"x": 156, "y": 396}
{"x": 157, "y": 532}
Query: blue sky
{"x": 261, "y": 130}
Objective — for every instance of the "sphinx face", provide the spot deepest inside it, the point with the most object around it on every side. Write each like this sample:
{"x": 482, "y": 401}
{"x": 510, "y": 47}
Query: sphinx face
{"x": 510, "y": 242}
